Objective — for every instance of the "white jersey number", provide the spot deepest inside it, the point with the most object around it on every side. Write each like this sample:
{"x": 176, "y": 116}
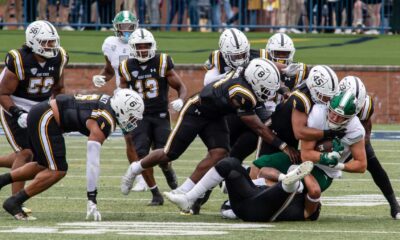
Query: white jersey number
{"x": 148, "y": 89}
{"x": 40, "y": 85}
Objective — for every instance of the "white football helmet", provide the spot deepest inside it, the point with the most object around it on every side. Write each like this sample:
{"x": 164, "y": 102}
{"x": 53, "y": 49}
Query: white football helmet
{"x": 128, "y": 107}
{"x": 356, "y": 86}
{"x": 42, "y": 38}
{"x": 322, "y": 83}
{"x": 142, "y": 36}
{"x": 264, "y": 78}
{"x": 280, "y": 48}
{"x": 234, "y": 47}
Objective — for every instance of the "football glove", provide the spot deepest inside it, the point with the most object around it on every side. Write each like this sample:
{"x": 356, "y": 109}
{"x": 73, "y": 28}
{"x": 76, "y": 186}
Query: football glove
{"x": 92, "y": 211}
{"x": 99, "y": 80}
{"x": 329, "y": 159}
{"x": 177, "y": 104}
{"x": 292, "y": 69}
{"x": 22, "y": 120}
{"x": 337, "y": 146}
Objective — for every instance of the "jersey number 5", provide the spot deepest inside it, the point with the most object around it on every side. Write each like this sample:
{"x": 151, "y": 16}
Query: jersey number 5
{"x": 148, "y": 89}
{"x": 40, "y": 85}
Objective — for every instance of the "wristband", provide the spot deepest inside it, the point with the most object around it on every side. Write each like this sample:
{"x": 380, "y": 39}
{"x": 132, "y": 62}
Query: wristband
{"x": 283, "y": 146}
{"x": 276, "y": 142}
{"x": 339, "y": 166}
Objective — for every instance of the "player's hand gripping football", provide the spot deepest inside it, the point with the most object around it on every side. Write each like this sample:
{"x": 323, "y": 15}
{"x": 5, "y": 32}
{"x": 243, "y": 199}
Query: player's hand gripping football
{"x": 92, "y": 211}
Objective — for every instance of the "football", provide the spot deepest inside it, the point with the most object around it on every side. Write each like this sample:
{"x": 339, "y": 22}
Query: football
{"x": 324, "y": 146}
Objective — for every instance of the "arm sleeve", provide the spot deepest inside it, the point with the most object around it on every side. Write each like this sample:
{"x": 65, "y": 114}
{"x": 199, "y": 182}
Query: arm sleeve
{"x": 105, "y": 121}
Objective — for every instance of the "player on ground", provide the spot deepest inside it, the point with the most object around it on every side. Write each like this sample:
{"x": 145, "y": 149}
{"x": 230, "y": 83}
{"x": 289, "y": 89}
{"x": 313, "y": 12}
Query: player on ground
{"x": 94, "y": 116}
{"x": 151, "y": 74}
{"x": 32, "y": 74}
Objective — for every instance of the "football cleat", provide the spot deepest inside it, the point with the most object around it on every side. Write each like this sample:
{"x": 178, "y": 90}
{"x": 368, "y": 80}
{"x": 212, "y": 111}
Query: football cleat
{"x": 157, "y": 200}
{"x": 179, "y": 200}
{"x": 170, "y": 176}
{"x": 395, "y": 213}
{"x": 15, "y": 210}
{"x": 127, "y": 181}
{"x": 26, "y": 210}
{"x": 298, "y": 173}
{"x": 141, "y": 185}
{"x": 226, "y": 211}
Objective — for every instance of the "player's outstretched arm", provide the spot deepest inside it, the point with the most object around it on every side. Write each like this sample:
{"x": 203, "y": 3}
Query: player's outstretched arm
{"x": 176, "y": 83}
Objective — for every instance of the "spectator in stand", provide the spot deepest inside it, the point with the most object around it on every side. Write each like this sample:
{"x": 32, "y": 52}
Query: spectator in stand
{"x": 153, "y": 12}
{"x": 271, "y": 8}
{"x": 254, "y": 7}
{"x": 341, "y": 5}
{"x": 63, "y": 13}
{"x": 130, "y": 5}
{"x": 105, "y": 9}
{"x": 373, "y": 8}
{"x": 289, "y": 15}
{"x": 314, "y": 12}
{"x": 241, "y": 13}
{"x": 30, "y": 10}
{"x": 194, "y": 15}
{"x": 215, "y": 14}
{"x": 17, "y": 12}
{"x": 175, "y": 6}
{"x": 227, "y": 10}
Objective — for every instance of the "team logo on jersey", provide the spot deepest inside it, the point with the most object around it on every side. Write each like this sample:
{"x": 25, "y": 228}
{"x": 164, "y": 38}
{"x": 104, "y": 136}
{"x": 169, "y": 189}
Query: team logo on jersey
{"x": 153, "y": 70}
{"x": 34, "y": 71}
{"x": 113, "y": 47}
{"x": 51, "y": 68}
{"x": 135, "y": 74}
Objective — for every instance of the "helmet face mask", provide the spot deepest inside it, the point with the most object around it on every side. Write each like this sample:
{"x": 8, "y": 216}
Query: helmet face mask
{"x": 142, "y": 44}
{"x": 128, "y": 107}
{"x": 342, "y": 108}
{"x": 42, "y": 38}
{"x": 280, "y": 48}
{"x": 322, "y": 83}
{"x": 234, "y": 47}
{"x": 264, "y": 78}
{"x": 124, "y": 23}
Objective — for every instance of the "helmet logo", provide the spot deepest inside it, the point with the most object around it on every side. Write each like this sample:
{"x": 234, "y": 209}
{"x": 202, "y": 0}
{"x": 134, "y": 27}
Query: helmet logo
{"x": 319, "y": 81}
{"x": 261, "y": 73}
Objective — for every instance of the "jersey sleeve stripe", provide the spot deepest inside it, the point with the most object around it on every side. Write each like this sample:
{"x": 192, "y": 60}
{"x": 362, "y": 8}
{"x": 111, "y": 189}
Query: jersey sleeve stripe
{"x": 63, "y": 60}
{"x": 109, "y": 119}
{"x": 217, "y": 61}
{"x": 160, "y": 64}
{"x": 304, "y": 99}
{"x": 366, "y": 109}
{"x": 18, "y": 64}
{"x": 164, "y": 65}
{"x": 239, "y": 89}
{"x": 124, "y": 70}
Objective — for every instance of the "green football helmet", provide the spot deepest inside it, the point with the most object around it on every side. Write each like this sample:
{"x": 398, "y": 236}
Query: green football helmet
{"x": 124, "y": 24}
{"x": 342, "y": 108}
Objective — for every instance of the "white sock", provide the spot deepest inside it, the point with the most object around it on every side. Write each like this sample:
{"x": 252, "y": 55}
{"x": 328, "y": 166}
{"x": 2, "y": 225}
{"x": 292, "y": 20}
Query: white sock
{"x": 186, "y": 186}
{"x": 207, "y": 182}
{"x": 136, "y": 167}
{"x": 281, "y": 177}
{"x": 289, "y": 188}
{"x": 92, "y": 165}
{"x": 259, "y": 182}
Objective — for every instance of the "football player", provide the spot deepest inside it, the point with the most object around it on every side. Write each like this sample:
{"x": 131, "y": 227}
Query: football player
{"x": 204, "y": 115}
{"x": 32, "y": 74}
{"x": 365, "y": 109}
{"x": 94, "y": 116}
{"x": 248, "y": 201}
{"x": 151, "y": 74}
{"x": 116, "y": 48}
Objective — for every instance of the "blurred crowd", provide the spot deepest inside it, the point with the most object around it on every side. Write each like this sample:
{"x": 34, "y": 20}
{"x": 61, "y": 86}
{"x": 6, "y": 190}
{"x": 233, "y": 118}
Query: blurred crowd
{"x": 293, "y": 16}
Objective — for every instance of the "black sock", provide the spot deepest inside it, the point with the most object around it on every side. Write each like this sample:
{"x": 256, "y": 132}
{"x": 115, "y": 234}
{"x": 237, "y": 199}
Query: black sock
{"x": 392, "y": 200}
{"x": 5, "y": 179}
{"x": 92, "y": 196}
{"x": 155, "y": 191}
{"x": 21, "y": 196}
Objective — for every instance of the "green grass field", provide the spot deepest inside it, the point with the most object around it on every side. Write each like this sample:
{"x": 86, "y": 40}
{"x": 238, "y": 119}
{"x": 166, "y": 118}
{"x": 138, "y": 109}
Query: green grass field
{"x": 187, "y": 47}
{"x": 353, "y": 207}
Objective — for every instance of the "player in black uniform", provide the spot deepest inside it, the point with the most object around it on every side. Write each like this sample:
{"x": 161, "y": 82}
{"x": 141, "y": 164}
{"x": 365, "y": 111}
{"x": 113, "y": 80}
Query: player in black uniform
{"x": 204, "y": 113}
{"x": 248, "y": 201}
{"x": 94, "y": 116}
{"x": 32, "y": 74}
{"x": 151, "y": 74}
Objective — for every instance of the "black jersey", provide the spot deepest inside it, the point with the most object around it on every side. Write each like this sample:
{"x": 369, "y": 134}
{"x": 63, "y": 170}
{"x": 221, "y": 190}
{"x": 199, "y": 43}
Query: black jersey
{"x": 367, "y": 110}
{"x": 281, "y": 119}
{"x": 149, "y": 80}
{"x": 36, "y": 81}
{"x": 76, "y": 110}
{"x": 231, "y": 94}
{"x": 294, "y": 82}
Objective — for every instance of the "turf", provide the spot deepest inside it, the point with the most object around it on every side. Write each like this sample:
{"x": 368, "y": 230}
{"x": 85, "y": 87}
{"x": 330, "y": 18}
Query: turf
{"x": 60, "y": 208}
{"x": 186, "y": 47}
